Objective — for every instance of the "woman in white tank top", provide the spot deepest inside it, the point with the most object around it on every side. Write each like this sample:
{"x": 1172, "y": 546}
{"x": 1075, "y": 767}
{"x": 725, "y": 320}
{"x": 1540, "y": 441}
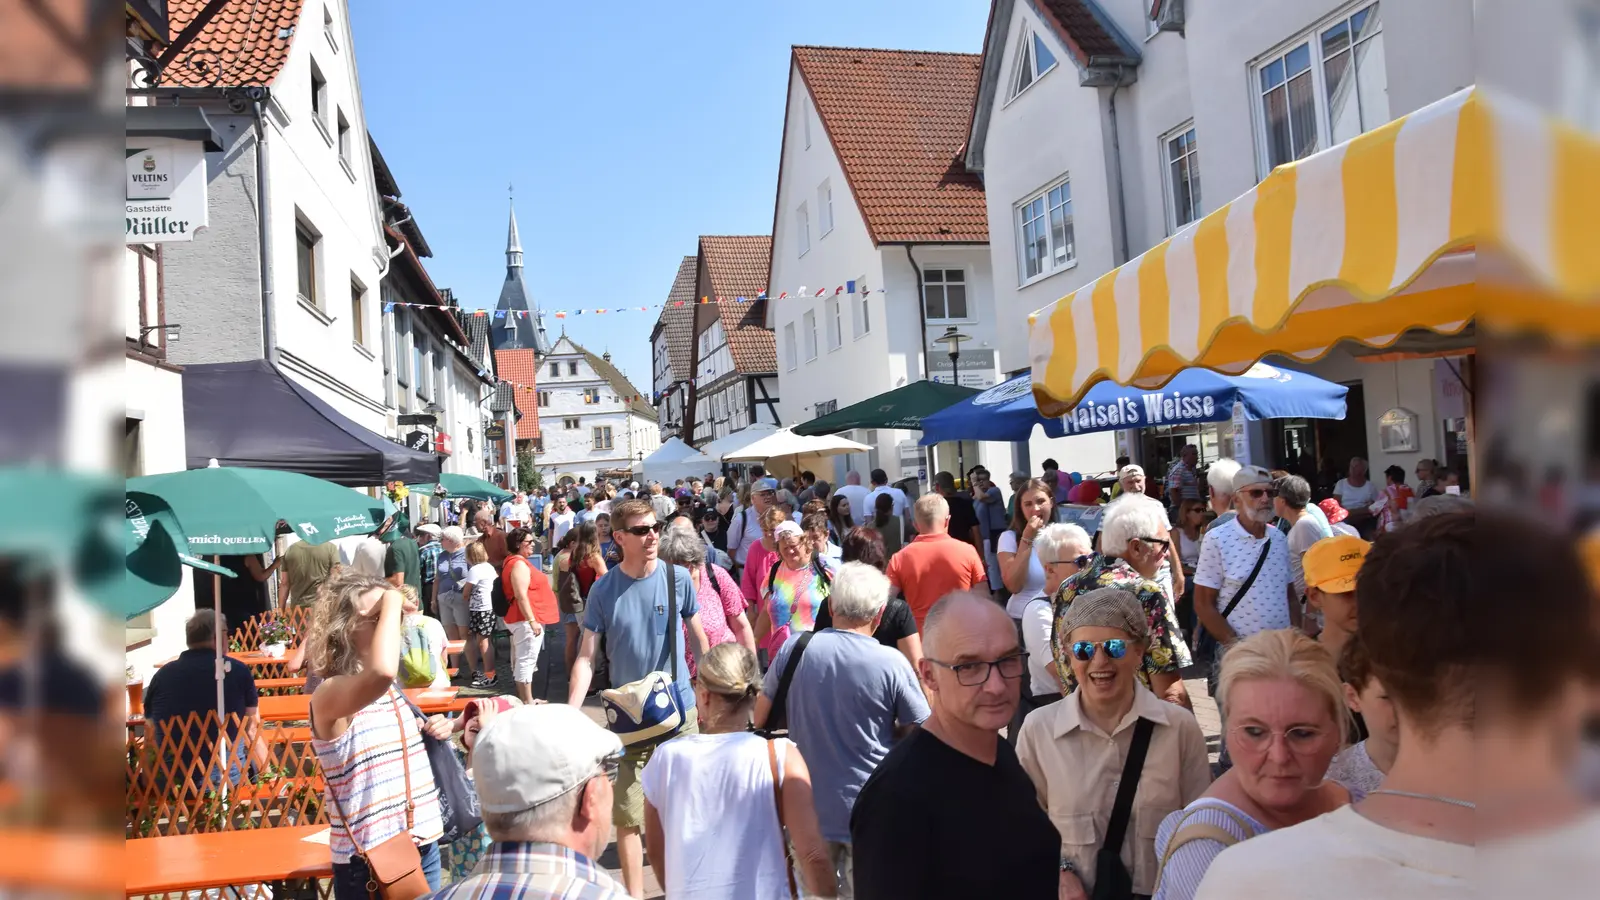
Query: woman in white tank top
{"x": 711, "y": 815}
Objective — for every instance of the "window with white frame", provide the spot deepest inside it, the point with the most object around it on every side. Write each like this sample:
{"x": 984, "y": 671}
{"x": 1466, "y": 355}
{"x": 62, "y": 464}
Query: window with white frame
{"x": 591, "y": 396}
{"x": 544, "y": 398}
{"x": 555, "y": 370}
{"x": 1324, "y": 87}
{"x": 319, "y": 99}
{"x": 802, "y": 227}
{"x": 327, "y": 29}
{"x": 358, "y": 313}
{"x": 1181, "y": 157}
{"x": 808, "y": 325}
{"x": 859, "y": 310}
{"x": 824, "y": 208}
{"x": 344, "y": 138}
{"x": 1044, "y": 225}
{"x": 835, "y": 315}
{"x": 791, "y": 355}
{"x": 572, "y": 368}
{"x": 307, "y": 249}
{"x": 944, "y": 293}
{"x": 1033, "y": 60}
{"x": 570, "y": 424}
{"x": 602, "y": 437}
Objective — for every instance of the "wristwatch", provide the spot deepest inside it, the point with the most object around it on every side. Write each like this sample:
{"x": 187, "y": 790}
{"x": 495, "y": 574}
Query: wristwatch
{"x": 1068, "y": 866}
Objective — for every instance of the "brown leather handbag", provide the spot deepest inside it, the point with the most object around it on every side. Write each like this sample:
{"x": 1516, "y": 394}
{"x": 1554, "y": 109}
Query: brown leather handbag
{"x": 394, "y": 867}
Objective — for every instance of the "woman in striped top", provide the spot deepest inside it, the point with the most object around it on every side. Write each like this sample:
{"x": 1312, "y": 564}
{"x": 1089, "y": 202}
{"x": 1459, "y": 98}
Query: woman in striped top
{"x": 367, "y": 740}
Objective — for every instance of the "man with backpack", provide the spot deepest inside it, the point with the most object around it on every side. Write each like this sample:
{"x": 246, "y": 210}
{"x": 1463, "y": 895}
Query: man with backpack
{"x": 845, "y": 699}
{"x": 745, "y": 527}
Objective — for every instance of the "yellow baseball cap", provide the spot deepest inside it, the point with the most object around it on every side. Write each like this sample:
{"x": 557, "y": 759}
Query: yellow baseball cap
{"x": 1332, "y": 563}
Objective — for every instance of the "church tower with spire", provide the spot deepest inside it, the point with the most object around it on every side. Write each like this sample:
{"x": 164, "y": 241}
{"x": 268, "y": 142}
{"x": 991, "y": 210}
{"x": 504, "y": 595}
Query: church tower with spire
{"x": 517, "y": 324}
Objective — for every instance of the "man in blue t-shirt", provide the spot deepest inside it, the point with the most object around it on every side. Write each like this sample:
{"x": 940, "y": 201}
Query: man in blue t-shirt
{"x": 630, "y": 606}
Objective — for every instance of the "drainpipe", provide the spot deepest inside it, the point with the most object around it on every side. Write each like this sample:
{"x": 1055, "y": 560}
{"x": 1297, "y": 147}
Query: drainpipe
{"x": 922, "y": 313}
{"x": 269, "y": 338}
{"x": 1116, "y": 153}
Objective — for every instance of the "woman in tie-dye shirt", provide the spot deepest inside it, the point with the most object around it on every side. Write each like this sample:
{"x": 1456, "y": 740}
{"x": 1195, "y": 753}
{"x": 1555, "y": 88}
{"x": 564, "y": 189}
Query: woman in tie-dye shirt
{"x": 792, "y": 589}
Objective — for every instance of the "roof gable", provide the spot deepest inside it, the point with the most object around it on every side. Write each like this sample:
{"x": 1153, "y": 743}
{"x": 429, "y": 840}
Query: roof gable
{"x": 1103, "y": 55}
{"x": 677, "y": 317}
{"x": 736, "y": 266}
{"x": 897, "y": 120}
{"x": 243, "y": 44}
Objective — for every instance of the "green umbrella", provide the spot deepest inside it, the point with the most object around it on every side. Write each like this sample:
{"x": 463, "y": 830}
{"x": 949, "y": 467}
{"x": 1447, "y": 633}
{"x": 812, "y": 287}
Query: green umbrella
{"x": 156, "y": 551}
{"x": 903, "y": 407}
{"x": 468, "y": 486}
{"x": 70, "y": 524}
{"x": 231, "y": 511}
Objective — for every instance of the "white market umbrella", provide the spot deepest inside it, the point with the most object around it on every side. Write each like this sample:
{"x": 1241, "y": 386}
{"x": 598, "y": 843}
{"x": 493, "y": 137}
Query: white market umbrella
{"x": 786, "y": 445}
{"x": 671, "y": 451}
{"x": 744, "y": 437}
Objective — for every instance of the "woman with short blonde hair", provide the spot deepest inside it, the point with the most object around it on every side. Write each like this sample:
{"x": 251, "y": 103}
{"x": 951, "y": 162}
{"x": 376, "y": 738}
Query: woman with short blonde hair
{"x": 736, "y": 772}
{"x": 1284, "y": 719}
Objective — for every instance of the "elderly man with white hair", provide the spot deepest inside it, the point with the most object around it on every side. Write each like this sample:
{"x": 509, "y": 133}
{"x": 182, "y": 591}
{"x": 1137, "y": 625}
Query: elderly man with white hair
{"x": 1061, "y": 550}
{"x": 1133, "y": 543}
{"x": 1219, "y": 482}
{"x": 845, "y": 699}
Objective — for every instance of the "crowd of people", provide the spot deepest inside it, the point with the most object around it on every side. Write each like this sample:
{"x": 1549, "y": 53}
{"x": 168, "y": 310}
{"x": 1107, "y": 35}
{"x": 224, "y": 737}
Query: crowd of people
{"x": 856, "y": 693}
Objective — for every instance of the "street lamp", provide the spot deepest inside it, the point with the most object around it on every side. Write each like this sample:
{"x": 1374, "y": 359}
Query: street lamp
{"x": 952, "y": 339}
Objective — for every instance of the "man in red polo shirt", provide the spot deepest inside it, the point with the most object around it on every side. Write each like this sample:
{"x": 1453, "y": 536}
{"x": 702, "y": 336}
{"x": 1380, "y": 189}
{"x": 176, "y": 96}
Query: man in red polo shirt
{"x": 934, "y": 563}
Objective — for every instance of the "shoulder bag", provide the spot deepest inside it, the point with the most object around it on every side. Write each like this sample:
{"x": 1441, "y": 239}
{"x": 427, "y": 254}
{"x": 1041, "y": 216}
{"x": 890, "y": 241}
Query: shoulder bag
{"x": 1205, "y": 646}
{"x": 778, "y": 718}
{"x": 458, "y": 800}
{"x": 394, "y": 867}
{"x": 1111, "y": 878}
{"x": 649, "y": 709}
{"x": 777, "y": 801}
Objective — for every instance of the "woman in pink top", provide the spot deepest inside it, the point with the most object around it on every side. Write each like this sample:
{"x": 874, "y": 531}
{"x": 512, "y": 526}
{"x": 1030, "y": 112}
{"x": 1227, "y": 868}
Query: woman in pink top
{"x": 721, "y": 605}
{"x": 760, "y": 556}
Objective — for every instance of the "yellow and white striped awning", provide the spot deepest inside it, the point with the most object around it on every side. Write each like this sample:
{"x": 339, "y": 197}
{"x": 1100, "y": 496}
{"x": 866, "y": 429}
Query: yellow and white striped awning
{"x": 1475, "y": 208}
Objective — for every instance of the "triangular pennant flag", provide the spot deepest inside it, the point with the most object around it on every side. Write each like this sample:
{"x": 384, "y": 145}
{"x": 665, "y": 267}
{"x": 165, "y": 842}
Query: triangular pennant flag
{"x": 561, "y": 314}
{"x": 499, "y": 314}
{"x": 850, "y": 287}
{"x": 479, "y": 312}
{"x": 388, "y": 307}
{"x": 762, "y": 295}
{"x": 802, "y": 291}
{"x": 677, "y": 303}
{"x": 838, "y": 290}
{"x": 784, "y": 295}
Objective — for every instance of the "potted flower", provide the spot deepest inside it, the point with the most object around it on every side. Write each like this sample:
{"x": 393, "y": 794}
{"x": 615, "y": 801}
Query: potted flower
{"x": 275, "y": 638}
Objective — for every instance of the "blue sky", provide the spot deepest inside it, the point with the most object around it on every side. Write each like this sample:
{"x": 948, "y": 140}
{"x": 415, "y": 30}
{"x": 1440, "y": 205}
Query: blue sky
{"x": 628, "y": 129}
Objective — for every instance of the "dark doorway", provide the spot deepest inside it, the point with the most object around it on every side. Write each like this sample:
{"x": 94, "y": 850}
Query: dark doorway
{"x": 1320, "y": 449}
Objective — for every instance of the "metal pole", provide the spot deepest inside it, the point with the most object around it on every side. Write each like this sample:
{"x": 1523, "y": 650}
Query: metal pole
{"x": 955, "y": 378}
{"x": 219, "y": 674}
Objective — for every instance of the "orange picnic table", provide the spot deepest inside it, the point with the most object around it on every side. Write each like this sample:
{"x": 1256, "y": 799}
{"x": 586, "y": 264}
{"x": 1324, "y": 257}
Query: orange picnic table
{"x": 187, "y": 862}
{"x": 252, "y": 658}
{"x": 297, "y": 707}
{"x": 60, "y": 861}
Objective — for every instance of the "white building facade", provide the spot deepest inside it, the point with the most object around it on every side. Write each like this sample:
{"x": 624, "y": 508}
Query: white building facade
{"x": 1099, "y": 134}
{"x": 871, "y": 329}
{"x": 591, "y": 418}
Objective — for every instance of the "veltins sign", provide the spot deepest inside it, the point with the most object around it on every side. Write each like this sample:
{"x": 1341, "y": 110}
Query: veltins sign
{"x": 165, "y": 190}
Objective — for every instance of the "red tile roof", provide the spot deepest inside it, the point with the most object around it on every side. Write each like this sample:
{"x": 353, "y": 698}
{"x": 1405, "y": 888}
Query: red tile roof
{"x": 1082, "y": 27}
{"x": 679, "y": 320}
{"x": 737, "y": 266}
{"x": 521, "y": 367}
{"x": 246, "y": 43}
{"x": 898, "y": 120}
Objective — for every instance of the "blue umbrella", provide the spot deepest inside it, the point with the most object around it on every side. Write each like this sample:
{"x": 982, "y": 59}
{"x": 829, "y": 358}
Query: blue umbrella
{"x": 1007, "y": 412}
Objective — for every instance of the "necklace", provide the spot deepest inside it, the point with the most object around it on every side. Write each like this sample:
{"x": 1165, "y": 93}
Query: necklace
{"x": 1465, "y": 804}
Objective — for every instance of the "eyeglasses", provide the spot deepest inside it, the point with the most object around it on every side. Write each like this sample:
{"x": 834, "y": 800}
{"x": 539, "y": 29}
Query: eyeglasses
{"x": 1116, "y": 648}
{"x": 1079, "y": 561}
{"x": 1156, "y": 545}
{"x": 640, "y": 531}
{"x": 1299, "y": 739}
{"x": 972, "y": 674}
{"x": 1256, "y": 493}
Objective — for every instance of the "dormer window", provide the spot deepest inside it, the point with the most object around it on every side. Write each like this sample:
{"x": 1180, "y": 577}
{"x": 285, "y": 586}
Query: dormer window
{"x": 1033, "y": 61}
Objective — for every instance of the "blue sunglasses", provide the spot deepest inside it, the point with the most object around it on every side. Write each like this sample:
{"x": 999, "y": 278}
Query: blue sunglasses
{"x": 1116, "y": 648}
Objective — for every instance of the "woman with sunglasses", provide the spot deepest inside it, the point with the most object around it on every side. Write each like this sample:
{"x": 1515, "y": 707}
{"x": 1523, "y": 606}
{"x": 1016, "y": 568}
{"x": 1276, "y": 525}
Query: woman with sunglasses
{"x": 1286, "y": 719}
{"x": 1073, "y": 749}
{"x": 1133, "y": 543}
{"x": 741, "y": 776}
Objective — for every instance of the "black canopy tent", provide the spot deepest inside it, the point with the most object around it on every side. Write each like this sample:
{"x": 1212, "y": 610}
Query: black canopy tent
{"x": 249, "y": 414}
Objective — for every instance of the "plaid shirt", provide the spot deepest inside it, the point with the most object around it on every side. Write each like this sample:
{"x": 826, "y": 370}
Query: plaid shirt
{"x": 429, "y": 554}
{"x": 525, "y": 871}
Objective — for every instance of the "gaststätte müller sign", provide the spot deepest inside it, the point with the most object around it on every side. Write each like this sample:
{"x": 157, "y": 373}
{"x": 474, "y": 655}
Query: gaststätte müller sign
{"x": 165, "y": 190}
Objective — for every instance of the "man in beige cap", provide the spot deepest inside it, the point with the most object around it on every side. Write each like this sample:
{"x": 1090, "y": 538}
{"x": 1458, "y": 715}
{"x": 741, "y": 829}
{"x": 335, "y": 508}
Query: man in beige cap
{"x": 544, "y": 775}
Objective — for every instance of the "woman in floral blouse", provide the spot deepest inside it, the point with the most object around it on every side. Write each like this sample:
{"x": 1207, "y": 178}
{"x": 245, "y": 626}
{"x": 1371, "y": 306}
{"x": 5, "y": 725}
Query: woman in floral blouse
{"x": 1133, "y": 543}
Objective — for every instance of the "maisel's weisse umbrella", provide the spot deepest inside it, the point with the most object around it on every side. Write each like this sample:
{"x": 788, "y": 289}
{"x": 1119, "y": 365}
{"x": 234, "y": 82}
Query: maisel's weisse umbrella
{"x": 1007, "y": 412}
{"x": 904, "y": 407}
{"x": 464, "y": 486}
{"x": 227, "y": 511}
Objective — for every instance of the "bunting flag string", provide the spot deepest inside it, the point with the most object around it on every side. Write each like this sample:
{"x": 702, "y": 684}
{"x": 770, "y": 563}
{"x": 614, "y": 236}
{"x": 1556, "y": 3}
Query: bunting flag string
{"x": 849, "y": 287}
